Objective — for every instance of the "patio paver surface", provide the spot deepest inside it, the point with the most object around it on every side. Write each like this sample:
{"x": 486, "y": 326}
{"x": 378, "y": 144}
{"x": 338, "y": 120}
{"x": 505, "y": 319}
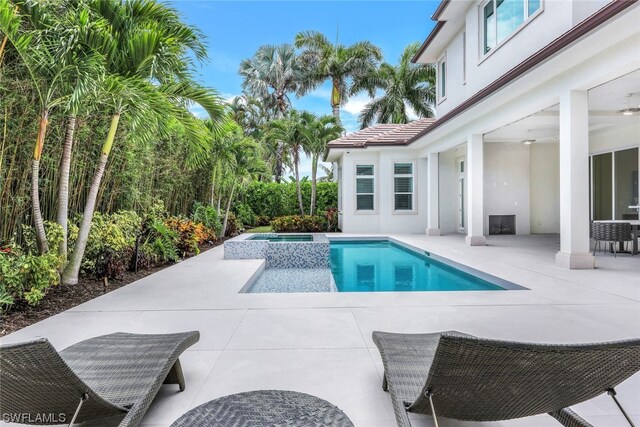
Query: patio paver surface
{"x": 321, "y": 343}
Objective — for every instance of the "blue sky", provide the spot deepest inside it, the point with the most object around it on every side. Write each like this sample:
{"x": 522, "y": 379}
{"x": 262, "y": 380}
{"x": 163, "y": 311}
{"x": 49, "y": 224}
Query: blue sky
{"x": 235, "y": 30}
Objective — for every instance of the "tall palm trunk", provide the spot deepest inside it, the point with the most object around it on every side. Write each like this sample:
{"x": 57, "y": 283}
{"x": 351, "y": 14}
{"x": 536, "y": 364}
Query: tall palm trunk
{"x": 41, "y": 235}
{"x": 296, "y": 161}
{"x": 63, "y": 187}
{"x": 279, "y": 162}
{"x": 226, "y": 214}
{"x": 314, "y": 172}
{"x": 282, "y": 109}
{"x": 213, "y": 186}
{"x": 70, "y": 273}
{"x": 335, "y": 102}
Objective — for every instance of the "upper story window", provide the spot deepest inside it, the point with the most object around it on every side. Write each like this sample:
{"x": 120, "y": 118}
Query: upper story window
{"x": 403, "y": 186}
{"x": 365, "y": 188}
{"x": 501, "y": 18}
{"x": 442, "y": 78}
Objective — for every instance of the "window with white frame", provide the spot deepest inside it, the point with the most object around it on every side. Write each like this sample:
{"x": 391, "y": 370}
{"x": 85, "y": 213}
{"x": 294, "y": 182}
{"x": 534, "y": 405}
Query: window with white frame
{"x": 403, "y": 186}
{"x": 501, "y": 18}
{"x": 365, "y": 188}
{"x": 442, "y": 78}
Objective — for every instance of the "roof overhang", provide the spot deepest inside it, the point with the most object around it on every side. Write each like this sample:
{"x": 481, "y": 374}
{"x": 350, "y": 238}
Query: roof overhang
{"x": 450, "y": 18}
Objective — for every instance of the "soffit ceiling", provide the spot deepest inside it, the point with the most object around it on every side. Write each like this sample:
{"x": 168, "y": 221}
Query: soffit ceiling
{"x": 605, "y": 103}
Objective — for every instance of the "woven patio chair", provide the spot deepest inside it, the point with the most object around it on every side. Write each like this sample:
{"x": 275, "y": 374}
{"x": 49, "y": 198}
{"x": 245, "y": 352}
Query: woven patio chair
{"x": 459, "y": 376}
{"x": 111, "y": 375}
{"x": 612, "y": 233}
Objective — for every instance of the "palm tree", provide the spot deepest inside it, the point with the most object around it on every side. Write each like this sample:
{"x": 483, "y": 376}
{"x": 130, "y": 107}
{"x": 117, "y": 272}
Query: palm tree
{"x": 272, "y": 74}
{"x": 317, "y": 133}
{"x": 336, "y": 62}
{"x": 49, "y": 51}
{"x": 405, "y": 85}
{"x": 251, "y": 113}
{"x": 243, "y": 166}
{"x": 290, "y": 130}
{"x": 148, "y": 80}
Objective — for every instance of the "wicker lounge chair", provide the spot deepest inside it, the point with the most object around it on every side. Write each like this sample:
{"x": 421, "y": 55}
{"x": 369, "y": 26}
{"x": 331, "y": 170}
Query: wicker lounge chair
{"x": 110, "y": 375}
{"x": 459, "y": 376}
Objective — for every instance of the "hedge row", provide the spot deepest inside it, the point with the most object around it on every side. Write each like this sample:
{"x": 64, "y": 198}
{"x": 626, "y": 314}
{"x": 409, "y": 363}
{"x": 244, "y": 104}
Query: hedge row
{"x": 271, "y": 200}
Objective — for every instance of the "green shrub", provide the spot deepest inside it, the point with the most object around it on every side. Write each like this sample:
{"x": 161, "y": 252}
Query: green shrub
{"x": 209, "y": 216}
{"x": 111, "y": 244}
{"x": 299, "y": 224}
{"x": 274, "y": 200}
{"x": 262, "y": 220}
{"x": 190, "y": 234}
{"x": 233, "y": 225}
{"x": 245, "y": 214}
{"x": 157, "y": 244}
{"x": 27, "y": 276}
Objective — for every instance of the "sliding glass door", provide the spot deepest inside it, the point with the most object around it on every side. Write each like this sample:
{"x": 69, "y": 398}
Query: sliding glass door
{"x": 626, "y": 179}
{"x": 614, "y": 185}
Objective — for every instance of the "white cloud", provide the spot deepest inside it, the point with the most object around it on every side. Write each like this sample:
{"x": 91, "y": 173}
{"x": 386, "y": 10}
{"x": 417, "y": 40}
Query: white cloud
{"x": 356, "y": 104}
{"x": 227, "y": 97}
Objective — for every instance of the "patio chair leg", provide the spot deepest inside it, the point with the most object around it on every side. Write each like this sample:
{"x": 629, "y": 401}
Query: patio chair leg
{"x": 175, "y": 376}
{"x": 83, "y": 398}
{"x": 433, "y": 409}
{"x": 612, "y": 392}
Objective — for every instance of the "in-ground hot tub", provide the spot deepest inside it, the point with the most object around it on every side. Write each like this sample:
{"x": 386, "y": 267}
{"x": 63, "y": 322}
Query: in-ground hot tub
{"x": 281, "y": 250}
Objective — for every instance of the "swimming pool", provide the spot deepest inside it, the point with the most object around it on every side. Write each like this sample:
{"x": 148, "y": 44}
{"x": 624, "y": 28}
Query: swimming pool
{"x": 384, "y": 266}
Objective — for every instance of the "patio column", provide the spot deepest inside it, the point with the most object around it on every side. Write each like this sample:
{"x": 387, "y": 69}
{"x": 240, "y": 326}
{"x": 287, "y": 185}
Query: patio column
{"x": 433, "y": 205}
{"x": 475, "y": 191}
{"x": 574, "y": 181}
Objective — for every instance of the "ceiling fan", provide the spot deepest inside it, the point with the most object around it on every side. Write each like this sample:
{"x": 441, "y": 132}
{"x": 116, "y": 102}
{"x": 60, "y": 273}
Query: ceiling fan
{"x": 530, "y": 140}
{"x": 629, "y": 111}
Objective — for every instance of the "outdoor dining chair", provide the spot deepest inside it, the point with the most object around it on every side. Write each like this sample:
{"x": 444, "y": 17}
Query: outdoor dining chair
{"x": 611, "y": 232}
{"x": 111, "y": 375}
{"x": 459, "y": 376}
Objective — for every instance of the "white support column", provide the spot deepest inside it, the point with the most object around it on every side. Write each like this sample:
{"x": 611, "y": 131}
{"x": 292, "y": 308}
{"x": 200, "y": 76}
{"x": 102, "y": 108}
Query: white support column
{"x": 574, "y": 181}
{"x": 475, "y": 191}
{"x": 433, "y": 196}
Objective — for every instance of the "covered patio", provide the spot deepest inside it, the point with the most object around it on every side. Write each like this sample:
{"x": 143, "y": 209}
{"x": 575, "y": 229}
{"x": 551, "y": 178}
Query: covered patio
{"x": 320, "y": 343}
{"x": 551, "y": 171}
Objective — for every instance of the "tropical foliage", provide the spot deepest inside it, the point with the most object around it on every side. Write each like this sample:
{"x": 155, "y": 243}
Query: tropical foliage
{"x": 404, "y": 86}
{"x": 103, "y": 166}
{"x": 336, "y": 62}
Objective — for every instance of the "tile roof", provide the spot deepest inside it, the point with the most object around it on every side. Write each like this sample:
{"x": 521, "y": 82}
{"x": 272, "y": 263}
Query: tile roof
{"x": 382, "y": 134}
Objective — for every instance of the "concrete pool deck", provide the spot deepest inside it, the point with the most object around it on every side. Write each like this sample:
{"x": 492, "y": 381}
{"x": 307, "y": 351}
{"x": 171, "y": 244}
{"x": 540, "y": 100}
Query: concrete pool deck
{"x": 320, "y": 343}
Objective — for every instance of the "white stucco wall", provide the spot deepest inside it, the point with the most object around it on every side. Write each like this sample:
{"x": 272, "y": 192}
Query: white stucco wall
{"x": 448, "y": 180}
{"x": 556, "y": 18}
{"x": 383, "y": 219}
{"x": 545, "y": 188}
{"x": 506, "y": 183}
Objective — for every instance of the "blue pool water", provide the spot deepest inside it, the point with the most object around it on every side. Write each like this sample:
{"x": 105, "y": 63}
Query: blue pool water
{"x": 383, "y": 266}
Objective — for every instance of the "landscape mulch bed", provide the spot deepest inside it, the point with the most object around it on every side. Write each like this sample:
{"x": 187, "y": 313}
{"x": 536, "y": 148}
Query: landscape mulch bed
{"x": 61, "y": 297}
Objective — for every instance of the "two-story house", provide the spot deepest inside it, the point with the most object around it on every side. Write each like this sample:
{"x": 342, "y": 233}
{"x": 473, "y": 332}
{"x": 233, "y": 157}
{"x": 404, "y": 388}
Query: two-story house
{"x": 537, "y": 128}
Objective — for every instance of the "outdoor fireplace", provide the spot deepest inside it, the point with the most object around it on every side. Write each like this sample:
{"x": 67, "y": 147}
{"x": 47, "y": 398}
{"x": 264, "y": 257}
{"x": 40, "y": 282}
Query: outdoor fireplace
{"x": 502, "y": 224}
